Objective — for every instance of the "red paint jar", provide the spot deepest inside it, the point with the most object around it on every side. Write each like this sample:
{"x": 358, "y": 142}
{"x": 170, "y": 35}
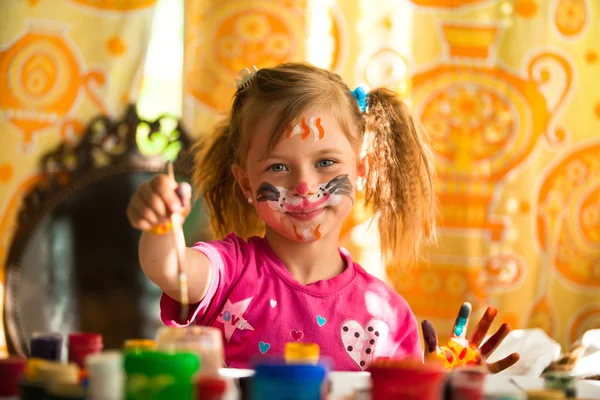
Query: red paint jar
{"x": 11, "y": 372}
{"x": 468, "y": 383}
{"x": 210, "y": 388}
{"x": 83, "y": 344}
{"x": 408, "y": 379}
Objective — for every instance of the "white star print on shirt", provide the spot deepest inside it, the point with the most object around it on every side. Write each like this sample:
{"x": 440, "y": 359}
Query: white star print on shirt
{"x": 232, "y": 317}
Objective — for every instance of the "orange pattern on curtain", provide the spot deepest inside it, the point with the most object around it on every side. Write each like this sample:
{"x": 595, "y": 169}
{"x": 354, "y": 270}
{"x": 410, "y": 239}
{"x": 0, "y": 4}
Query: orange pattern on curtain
{"x": 61, "y": 62}
{"x": 507, "y": 90}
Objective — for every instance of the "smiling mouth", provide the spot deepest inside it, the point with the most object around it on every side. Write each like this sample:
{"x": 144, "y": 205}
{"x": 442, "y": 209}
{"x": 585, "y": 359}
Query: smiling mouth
{"x": 305, "y": 215}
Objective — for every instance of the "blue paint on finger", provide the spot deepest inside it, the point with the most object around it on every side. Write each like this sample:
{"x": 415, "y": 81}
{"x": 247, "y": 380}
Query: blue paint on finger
{"x": 461, "y": 320}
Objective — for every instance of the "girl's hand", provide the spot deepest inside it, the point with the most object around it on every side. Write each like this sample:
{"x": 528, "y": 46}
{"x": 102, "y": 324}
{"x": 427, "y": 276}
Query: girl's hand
{"x": 153, "y": 203}
{"x": 460, "y": 351}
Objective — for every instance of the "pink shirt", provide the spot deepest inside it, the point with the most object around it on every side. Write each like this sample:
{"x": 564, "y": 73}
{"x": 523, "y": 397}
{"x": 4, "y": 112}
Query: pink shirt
{"x": 254, "y": 300}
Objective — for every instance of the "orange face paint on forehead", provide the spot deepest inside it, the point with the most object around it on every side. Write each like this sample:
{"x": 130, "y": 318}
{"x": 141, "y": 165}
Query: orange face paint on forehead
{"x": 306, "y": 127}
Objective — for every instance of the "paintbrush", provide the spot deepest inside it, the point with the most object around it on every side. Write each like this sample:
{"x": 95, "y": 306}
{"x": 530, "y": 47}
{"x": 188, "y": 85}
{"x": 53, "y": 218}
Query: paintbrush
{"x": 178, "y": 240}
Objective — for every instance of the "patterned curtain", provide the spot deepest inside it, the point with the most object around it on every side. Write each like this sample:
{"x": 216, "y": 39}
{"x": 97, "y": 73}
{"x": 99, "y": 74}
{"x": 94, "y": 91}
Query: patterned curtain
{"x": 61, "y": 62}
{"x": 508, "y": 91}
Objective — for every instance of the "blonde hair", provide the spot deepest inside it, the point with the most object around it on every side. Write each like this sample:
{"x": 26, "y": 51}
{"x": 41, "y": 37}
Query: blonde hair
{"x": 399, "y": 184}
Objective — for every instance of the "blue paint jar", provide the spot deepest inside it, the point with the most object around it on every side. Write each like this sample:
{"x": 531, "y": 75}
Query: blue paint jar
{"x": 280, "y": 381}
{"x": 46, "y": 345}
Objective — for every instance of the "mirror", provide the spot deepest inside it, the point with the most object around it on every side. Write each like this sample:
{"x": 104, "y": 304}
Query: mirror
{"x": 80, "y": 270}
{"x": 73, "y": 264}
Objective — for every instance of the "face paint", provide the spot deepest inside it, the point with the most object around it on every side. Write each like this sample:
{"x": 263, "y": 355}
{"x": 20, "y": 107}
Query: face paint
{"x": 304, "y": 129}
{"x": 267, "y": 192}
{"x": 308, "y": 235}
{"x": 327, "y": 194}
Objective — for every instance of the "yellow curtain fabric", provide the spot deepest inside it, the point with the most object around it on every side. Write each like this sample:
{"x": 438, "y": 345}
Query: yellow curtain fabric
{"x": 507, "y": 89}
{"x": 61, "y": 62}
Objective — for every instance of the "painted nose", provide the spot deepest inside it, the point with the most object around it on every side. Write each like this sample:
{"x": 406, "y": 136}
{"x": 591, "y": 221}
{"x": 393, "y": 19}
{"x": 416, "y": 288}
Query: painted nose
{"x": 302, "y": 188}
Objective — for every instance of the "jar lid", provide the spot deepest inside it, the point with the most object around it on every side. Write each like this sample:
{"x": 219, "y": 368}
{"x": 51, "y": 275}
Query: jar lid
{"x": 107, "y": 361}
{"x": 545, "y": 394}
{"x": 58, "y": 372}
{"x": 11, "y": 371}
{"x": 85, "y": 339}
{"x": 151, "y": 363}
{"x": 10, "y": 363}
{"x": 210, "y": 385}
{"x": 296, "y": 372}
{"x": 300, "y": 351}
{"x": 139, "y": 344}
{"x": 32, "y": 369}
{"x": 47, "y": 335}
{"x": 205, "y": 336}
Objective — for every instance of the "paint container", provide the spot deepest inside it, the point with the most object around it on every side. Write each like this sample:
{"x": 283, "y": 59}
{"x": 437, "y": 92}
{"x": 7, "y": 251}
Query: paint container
{"x": 407, "y": 379}
{"x": 139, "y": 345}
{"x": 105, "y": 376}
{"x": 545, "y": 394}
{"x": 206, "y": 342}
{"x": 46, "y": 345}
{"x": 160, "y": 376}
{"x": 54, "y": 372}
{"x": 297, "y": 352}
{"x": 467, "y": 383}
{"x": 209, "y": 388}
{"x": 279, "y": 381}
{"x": 83, "y": 344}
{"x": 561, "y": 381}
{"x": 12, "y": 370}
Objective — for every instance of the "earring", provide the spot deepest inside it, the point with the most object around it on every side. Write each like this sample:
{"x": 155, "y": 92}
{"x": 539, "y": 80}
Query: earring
{"x": 250, "y": 200}
{"x": 360, "y": 184}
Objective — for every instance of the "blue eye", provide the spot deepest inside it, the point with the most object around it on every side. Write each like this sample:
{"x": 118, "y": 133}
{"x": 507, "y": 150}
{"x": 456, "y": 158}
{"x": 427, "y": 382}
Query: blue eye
{"x": 325, "y": 163}
{"x": 277, "y": 168}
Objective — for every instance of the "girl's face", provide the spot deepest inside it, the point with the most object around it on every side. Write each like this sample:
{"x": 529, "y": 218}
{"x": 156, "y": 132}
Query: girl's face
{"x": 305, "y": 187}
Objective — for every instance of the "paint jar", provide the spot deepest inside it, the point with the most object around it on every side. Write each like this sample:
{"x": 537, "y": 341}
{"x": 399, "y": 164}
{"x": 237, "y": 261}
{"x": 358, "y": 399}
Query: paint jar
{"x": 561, "y": 381}
{"x": 54, "y": 372}
{"x": 297, "y": 352}
{"x": 278, "y": 381}
{"x": 545, "y": 394}
{"x": 406, "y": 379}
{"x": 83, "y": 344}
{"x": 139, "y": 345}
{"x": 65, "y": 391}
{"x": 468, "y": 383}
{"x": 210, "y": 388}
{"x": 206, "y": 342}
{"x": 46, "y": 345}
{"x": 160, "y": 376}
{"x": 105, "y": 376}
{"x": 12, "y": 370}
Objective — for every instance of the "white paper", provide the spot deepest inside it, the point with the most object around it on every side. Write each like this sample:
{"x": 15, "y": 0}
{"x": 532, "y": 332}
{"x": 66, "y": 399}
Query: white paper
{"x": 537, "y": 351}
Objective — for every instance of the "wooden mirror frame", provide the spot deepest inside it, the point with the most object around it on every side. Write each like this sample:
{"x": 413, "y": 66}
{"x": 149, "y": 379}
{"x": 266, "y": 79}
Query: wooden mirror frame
{"x": 108, "y": 147}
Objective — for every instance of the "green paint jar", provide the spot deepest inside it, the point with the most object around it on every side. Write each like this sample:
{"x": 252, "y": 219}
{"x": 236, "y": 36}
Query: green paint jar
{"x": 155, "y": 375}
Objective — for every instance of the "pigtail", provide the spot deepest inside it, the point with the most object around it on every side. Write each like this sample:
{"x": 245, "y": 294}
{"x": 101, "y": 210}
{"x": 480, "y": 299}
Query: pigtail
{"x": 227, "y": 206}
{"x": 399, "y": 183}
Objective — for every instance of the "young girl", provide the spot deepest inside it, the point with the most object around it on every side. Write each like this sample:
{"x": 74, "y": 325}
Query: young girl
{"x": 279, "y": 177}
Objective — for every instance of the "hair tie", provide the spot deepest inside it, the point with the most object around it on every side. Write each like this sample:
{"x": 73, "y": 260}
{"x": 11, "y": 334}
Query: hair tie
{"x": 361, "y": 97}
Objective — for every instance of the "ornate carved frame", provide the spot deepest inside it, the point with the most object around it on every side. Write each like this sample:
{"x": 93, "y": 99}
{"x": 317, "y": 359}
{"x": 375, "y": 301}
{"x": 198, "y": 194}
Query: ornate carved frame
{"x": 108, "y": 147}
